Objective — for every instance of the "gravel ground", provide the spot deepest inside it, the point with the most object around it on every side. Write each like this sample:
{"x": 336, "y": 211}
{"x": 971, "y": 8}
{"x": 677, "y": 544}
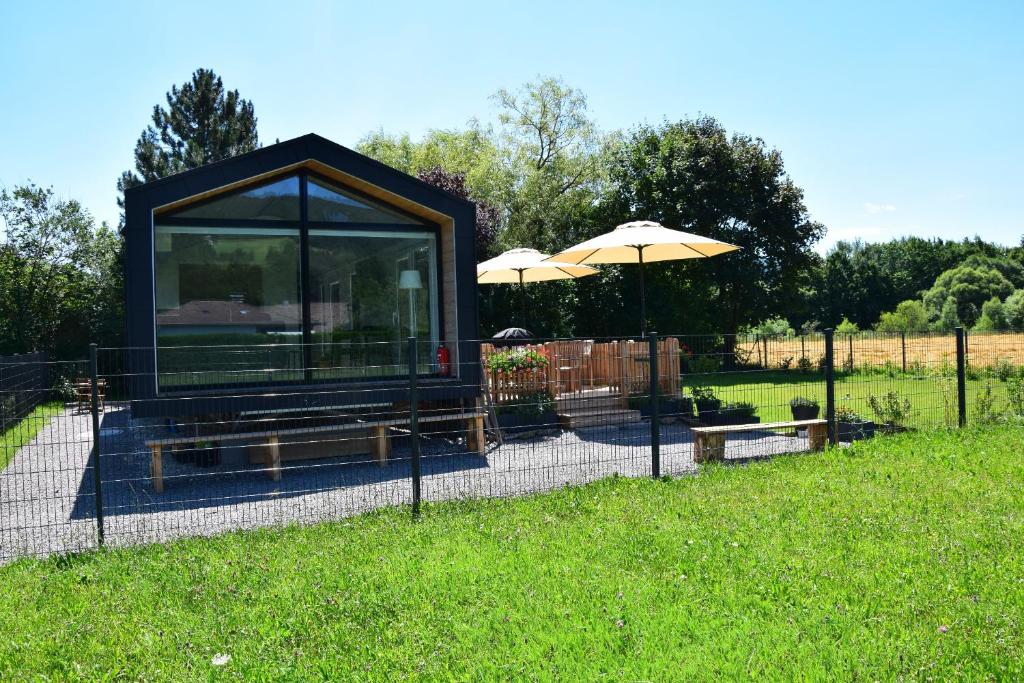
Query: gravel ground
{"x": 47, "y": 501}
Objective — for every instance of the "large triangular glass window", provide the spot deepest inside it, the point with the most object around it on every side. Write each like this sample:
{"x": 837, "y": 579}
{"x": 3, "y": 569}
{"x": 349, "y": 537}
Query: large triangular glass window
{"x": 332, "y": 204}
{"x": 277, "y": 200}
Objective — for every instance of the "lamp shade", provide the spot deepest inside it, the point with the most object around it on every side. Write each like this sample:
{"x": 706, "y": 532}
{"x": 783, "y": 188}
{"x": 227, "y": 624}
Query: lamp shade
{"x": 410, "y": 279}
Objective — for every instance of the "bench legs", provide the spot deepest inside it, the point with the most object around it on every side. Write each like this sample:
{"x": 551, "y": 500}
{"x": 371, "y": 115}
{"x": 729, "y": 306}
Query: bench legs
{"x": 817, "y": 436}
{"x": 274, "y": 458}
{"x": 708, "y": 447}
{"x": 380, "y": 445}
{"x": 476, "y": 442}
{"x": 156, "y": 468}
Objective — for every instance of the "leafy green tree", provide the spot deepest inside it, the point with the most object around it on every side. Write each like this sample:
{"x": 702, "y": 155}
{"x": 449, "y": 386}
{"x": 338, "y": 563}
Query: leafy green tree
{"x": 60, "y": 286}
{"x": 202, "y": 123}
{"x": 772, "y": 327}
{"x": 695, "y": 177}
{"x": 1013, "y": 308}
{"x": 993, "y": 316}
{"x": 909, "y": 316}
{"x": 948, "y": 318}
{"x": 969, "y": 287}
{"x": 847, "y": 328}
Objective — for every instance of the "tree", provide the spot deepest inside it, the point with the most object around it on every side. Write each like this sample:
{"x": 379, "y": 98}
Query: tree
{"x": 909, "y": 316}
{"x": 993, "y": 316}
{"x": 948, "y": 319}
{"x": 1013, "y": 308}
{"x": 693, "y": 176}
{"x": 61, "y": 277}
{"x": 968, "y": 287}
{"x": 486, "y": 215}
{"x": 202, "y": 123}
{"x": 847, "y": 328}
{"x": 772, "y": 327}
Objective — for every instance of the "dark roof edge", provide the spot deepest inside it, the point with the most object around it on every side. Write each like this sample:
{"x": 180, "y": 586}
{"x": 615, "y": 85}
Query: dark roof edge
{"x": 184, "y": 176}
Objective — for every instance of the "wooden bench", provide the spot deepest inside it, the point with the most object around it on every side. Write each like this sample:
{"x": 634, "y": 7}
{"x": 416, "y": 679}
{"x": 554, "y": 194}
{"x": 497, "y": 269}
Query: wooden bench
{"x": 380, "y": 445}
{"x": 709, "y": 442}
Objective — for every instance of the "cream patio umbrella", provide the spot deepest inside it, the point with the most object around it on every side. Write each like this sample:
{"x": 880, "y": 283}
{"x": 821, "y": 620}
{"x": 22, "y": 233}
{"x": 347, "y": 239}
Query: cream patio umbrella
{"x": 526, "y": 265}
{"x": 641, "y": 242}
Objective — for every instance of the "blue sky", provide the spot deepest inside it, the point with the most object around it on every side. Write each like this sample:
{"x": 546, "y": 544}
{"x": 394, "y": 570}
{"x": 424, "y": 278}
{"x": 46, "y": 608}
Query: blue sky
{"x": 895, "y": 118}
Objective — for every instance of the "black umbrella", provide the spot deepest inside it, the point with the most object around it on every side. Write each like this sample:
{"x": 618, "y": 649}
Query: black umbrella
{"x": 512, "y": 336}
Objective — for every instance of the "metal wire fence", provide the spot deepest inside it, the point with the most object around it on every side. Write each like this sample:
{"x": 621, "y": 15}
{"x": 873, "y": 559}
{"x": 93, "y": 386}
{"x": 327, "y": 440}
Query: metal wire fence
{"x": 120, "y": 449}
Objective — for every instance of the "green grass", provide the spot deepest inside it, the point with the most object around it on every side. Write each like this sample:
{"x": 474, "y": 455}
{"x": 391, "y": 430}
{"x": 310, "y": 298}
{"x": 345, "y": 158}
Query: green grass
{"x": 897, "y": 558}
{"x": 23, "y": 431}
{"x": 772, "y": 390}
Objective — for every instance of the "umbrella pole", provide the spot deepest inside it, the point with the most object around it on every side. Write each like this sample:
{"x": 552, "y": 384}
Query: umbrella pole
{"x": 643, "y": 296}
{"x": 522, "y": 301}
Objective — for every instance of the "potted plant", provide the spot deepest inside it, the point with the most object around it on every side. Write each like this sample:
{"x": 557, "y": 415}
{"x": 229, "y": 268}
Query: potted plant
{"x": 530, "y": 412}
{"x": 707, "y": 403}
{"x": 804, "y": 408}
{"x": 852, "y": 427}
{"x": 739, "y": 413}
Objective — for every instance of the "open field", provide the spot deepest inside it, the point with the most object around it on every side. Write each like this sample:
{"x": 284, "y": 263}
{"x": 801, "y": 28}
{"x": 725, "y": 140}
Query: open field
{"x": 25, "y": 429}
{"x": 932, "y": 351}
{"x": 895, "y": 558}
{"x": 772, "y": 390}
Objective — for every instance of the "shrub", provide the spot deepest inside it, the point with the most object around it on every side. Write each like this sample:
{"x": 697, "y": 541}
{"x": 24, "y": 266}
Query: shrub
{"x": 803, "y": 401}
{"x": 892, "y": 409}
{"x": 822, "y": 363}
{"x": 705, "y": 365}
{"x": 909, "y": 316}
{"x": 804, "y": 364}
{"x": 845, "y": 414}
{"x": 847, "y": 328}
{"x": 1003, "y": 370}
{"x": 786, "y": 362}
{"x": 512, "y": 360}
{"x": 984, "y": 406}
{"x": 63, "y": 390}
{"x": 1015, "y": 396}
{"x": 533, "y": 404}
{"x": 742, "y": 409}
{"x": 704, "y": 397}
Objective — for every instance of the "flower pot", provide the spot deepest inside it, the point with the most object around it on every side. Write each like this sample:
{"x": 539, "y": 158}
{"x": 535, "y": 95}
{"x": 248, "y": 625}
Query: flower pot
{"x": 855, "y": 431}
{"x": 805, "y": 412}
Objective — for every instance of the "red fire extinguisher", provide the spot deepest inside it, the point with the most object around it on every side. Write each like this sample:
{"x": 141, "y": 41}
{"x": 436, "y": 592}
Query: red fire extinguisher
{"x": 444, "y": 360}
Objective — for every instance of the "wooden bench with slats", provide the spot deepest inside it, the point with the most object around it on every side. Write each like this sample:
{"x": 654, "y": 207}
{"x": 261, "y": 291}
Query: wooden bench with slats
{"x": 709, "y": 442}
{"x": 380, "y": 444}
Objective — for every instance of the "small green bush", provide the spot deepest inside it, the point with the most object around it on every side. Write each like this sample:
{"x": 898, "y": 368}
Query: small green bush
{"x": 985, "y": 412}
{"x": 702, "y": 365}
{"x": 1015, "y": 396}
{"x": 892, "y": 409}
{"x": 804, "y": 364}
{"x": 803, "y": 401}
{"x": 1003, "y": 370}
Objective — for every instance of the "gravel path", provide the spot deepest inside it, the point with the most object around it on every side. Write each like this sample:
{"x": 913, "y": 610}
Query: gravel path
{"x": 47, "y": 504}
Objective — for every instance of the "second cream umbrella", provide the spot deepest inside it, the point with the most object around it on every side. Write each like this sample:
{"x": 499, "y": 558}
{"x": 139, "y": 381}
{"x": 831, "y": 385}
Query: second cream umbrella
{"x": 526, "y": 265}
{"x": 641, "y": 242}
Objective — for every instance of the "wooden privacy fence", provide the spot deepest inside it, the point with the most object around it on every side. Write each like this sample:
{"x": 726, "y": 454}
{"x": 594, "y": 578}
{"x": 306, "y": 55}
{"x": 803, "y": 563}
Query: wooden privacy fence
{"x": 575, "y": 365}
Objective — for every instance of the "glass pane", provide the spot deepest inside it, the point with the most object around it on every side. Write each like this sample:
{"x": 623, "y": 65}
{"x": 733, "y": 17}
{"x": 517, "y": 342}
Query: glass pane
{"x": 276, "y": 201}
{"x": 228, "y": 306}
{"x": 329, "y": 203}
{"x": 370, "y": 291}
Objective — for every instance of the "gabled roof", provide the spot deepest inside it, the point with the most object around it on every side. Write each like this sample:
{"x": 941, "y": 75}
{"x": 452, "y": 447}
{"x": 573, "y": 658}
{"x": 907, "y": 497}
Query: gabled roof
{"x": 295, "y": 153}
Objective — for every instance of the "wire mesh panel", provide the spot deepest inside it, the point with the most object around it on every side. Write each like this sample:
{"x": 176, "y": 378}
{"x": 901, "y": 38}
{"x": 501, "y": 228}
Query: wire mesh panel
{"x": 245, "y": 437}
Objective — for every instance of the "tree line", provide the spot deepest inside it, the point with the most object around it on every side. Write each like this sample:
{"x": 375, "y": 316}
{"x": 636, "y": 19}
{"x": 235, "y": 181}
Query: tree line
{"x": 543, "y": 176}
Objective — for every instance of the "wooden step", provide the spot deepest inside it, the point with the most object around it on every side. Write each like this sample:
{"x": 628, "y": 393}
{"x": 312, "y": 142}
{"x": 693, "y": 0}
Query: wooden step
{"x": 598, "y": 418}
{"x": 579, "y": 404}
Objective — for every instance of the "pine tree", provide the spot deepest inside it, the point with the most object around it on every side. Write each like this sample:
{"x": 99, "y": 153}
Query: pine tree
{"x": 202, "y": 123}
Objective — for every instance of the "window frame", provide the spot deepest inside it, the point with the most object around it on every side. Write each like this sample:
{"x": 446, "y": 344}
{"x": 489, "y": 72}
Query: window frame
{"x": 304, "y": 225}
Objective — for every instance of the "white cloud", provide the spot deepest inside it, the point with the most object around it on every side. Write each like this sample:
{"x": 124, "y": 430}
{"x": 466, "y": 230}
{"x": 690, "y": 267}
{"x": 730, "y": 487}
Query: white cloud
{"x": 872, "y": 207}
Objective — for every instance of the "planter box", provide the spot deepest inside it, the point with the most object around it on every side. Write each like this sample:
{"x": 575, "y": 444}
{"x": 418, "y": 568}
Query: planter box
{"x": 805, "y": 412}
{"x": 854, "y": 431}
{"x": 667, "y": 407}
{"x": 516, "y": 423}
{"x": 722, "y": 419}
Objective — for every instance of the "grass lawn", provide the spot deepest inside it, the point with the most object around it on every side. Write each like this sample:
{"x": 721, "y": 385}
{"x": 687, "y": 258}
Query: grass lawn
{"x": 26, "y": 429}
{"x": 772, "y": 390}
{"x": 900, "y": 557}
